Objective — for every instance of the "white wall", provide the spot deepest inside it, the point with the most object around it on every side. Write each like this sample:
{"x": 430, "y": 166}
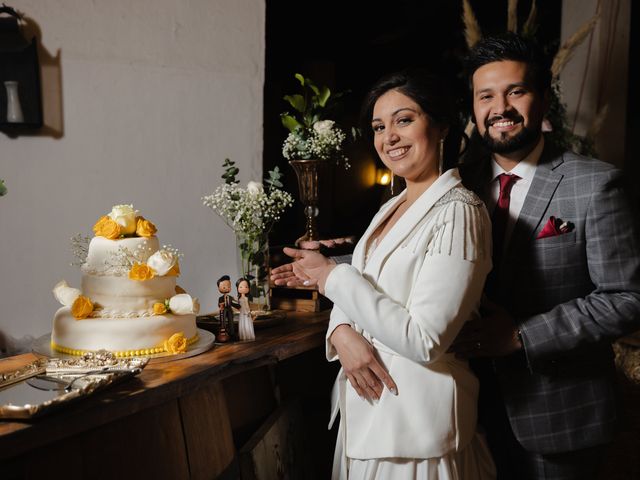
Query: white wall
{"x": 155, "y": 94}
{"x": 601, "y": 71}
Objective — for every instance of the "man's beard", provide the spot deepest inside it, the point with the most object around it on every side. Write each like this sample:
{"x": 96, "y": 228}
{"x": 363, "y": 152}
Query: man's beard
{"x": 510, "y": 144}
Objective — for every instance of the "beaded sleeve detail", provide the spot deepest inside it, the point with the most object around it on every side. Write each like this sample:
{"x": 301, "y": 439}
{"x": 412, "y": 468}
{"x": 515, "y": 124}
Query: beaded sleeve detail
{"x": 459, "y": 194}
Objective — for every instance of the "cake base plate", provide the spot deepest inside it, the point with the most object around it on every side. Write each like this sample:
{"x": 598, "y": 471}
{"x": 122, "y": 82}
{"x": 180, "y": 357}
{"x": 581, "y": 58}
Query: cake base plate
{"x": 42, "y": 346}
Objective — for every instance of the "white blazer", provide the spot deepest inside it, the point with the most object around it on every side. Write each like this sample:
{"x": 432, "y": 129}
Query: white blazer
{"x": 419, "y": 286}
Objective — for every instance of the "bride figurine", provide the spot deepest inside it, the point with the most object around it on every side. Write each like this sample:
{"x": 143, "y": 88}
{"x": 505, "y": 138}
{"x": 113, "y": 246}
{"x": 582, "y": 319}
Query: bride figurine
{"x": 245, "y": 322}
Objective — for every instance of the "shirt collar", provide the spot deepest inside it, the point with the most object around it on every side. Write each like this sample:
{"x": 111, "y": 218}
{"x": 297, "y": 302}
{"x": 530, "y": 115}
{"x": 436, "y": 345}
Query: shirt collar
{"x": 526, "y": 168}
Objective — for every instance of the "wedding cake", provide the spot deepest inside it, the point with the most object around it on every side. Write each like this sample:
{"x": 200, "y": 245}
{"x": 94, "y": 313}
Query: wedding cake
{"x": 128, "y": 302}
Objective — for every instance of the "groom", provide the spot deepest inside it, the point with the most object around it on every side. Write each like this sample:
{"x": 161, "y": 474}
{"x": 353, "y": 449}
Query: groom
{"x": 566, "y": 278}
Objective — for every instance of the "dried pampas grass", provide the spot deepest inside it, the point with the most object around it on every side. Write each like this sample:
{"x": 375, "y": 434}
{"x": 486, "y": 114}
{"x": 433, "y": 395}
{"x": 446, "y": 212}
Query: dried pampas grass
{"x": 529, "y": 28}
{"x": 512, "y": 16}
{"x": 566, "y": 51}
{"x": 472, "y": 32}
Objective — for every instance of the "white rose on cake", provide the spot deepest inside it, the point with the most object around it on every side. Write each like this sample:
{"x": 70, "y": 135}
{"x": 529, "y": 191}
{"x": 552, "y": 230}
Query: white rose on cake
{"x": 65, "y": 294}
{"x": 125, "y": 216}
{"x": 162, "y": 261}
{"x": 183, "y": 304}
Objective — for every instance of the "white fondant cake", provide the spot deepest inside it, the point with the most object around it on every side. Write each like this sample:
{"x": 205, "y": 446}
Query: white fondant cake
{"x": 128, "y": 302}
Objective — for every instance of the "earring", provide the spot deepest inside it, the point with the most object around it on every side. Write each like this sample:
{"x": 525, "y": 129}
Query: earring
{"x": 392, "y": 182}
{"x": 441, "y": 157}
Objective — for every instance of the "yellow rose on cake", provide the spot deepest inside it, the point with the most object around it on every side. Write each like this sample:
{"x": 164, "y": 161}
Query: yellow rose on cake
{"x": 81, "y": 308}
{"x": 177, "y": 343}
{"x": 141, "y": 272}
{"x": 144, "y": 228}
{"x": 159, "y": 308}
{"x": 107, "y": 228}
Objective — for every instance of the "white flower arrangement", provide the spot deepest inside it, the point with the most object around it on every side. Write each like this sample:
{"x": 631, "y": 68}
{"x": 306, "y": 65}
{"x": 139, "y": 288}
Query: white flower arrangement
{"x": 310, "y": 136}
{"x": 250, "y": 211}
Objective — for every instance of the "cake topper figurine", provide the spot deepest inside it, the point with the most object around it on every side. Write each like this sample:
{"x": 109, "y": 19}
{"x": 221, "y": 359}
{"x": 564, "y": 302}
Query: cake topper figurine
{"x": 225, "y": 304}
{"x": 245, "y": 322}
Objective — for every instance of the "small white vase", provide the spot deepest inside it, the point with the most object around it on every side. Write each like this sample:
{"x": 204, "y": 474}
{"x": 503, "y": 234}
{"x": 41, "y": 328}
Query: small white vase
{"x": 14, "y": 111}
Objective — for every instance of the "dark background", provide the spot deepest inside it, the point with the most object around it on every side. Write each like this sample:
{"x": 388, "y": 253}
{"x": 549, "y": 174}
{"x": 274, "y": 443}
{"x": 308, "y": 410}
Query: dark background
{"x": 348, "y": 46}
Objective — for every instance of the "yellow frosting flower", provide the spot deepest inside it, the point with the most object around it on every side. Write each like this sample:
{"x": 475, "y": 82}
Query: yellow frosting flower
{"x": 105, "y": 227}
{"x": 141, "y": 272}
{"x": 179, "y": 289}
{"x": 159, "y": 308}
{"x": 175, "y": 270}
{"x": 177, "y": 343}
{"x": 81, "y": 308}
{"x": 144, "y": 228}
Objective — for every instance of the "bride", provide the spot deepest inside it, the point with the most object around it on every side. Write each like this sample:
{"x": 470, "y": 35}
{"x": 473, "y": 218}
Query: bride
{"x": 407, "y": 407}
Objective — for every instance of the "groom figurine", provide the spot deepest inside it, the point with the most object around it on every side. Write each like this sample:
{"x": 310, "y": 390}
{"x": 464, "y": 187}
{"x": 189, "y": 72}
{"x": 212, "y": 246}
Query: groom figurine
{"x": 225, "y": 304}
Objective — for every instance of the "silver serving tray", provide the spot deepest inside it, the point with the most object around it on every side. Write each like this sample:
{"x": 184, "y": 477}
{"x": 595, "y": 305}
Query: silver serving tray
{"x": 206, "y": 339}
{"x": 20, "y": 400}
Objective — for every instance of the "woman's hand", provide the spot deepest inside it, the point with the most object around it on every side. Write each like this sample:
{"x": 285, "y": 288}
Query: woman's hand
{"x": 308, "y": 268}
{"x": 360, "y": 363}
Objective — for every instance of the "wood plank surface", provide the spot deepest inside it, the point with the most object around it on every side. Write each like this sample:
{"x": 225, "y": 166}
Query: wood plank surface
{"x": 162, "y": 382}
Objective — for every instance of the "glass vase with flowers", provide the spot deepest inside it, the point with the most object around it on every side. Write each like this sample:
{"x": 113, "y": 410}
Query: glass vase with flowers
{"x": 251, "y": 212}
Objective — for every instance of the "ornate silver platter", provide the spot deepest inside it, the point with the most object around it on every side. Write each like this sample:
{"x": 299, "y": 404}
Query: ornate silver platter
{"x": 42, "y": 346}
{"x": 47, "y": 384}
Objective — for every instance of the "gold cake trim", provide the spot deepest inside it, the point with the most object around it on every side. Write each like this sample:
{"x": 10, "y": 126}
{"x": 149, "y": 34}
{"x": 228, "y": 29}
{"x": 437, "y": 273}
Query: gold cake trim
{"x": 123, "y": 353}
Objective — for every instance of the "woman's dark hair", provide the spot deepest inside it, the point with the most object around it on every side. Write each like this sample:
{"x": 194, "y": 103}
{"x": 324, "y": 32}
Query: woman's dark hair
{"x": 243, "y": 279}
{"x": 434, "y": 97}
{"x": 510, "y": 46}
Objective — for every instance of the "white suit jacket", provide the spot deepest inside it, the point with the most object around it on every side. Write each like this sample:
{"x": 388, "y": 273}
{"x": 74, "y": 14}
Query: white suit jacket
{"x": 419, "y": 286}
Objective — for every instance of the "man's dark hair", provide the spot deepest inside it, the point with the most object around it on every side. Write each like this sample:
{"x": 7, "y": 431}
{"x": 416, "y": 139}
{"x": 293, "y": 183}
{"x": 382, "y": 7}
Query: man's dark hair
{"x": 511, "y": 46}
{"x": 223, "y": 278}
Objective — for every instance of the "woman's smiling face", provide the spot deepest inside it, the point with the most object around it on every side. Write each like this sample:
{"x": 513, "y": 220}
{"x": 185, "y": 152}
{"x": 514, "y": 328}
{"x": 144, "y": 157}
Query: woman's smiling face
{"x": 405, "y": 138}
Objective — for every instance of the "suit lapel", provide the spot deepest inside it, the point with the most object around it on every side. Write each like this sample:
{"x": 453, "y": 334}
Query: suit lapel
{"x": 359, "y": 252}
{"x": 409, "y": 220}
{"x": 543, "y": 187}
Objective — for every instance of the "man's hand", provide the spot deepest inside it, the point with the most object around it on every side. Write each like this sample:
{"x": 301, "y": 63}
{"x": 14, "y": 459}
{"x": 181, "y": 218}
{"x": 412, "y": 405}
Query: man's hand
{"x": 360, "y": 363}
{"x": 493, "y": 335}
{"x": 308, "y": 268}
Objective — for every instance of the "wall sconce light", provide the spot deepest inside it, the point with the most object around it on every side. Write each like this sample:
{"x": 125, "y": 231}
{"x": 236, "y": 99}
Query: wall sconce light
{"x": 383, "y": 176}
{"x": 20, "y": 94}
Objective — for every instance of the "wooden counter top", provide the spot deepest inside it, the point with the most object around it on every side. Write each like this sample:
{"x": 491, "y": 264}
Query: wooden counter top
{"x": 161, "y": 382}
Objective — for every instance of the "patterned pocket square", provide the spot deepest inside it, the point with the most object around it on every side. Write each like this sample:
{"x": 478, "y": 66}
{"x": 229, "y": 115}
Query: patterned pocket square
{"x": 554, "y": 227}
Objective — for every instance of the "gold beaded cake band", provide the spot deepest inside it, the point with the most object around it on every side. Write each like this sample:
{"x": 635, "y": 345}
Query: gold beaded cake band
{"x": 124, "y": 353}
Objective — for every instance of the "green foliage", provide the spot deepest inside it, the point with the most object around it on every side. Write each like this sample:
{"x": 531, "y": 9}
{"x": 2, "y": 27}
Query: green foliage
{"x": 3, "y": 188}
{"x": 230, "y": 172}
{"x": 308, "y": 105}
{"x": 274, "y": 178}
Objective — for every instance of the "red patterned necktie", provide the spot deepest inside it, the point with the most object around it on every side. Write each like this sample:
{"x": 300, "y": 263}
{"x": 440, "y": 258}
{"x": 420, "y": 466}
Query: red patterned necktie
{"x": 501, "y": 215}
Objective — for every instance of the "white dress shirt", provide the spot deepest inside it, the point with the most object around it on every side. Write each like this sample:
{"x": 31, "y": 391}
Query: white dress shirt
{"x": 525, "y": 169}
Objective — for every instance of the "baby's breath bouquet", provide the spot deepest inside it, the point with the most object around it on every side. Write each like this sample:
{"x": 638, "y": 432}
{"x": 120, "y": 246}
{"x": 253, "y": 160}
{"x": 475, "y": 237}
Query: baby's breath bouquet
{"x": 251, "y": 212}
{"x": 311, "y": 135}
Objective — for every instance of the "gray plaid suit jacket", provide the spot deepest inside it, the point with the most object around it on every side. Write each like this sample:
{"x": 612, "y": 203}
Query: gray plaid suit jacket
{"x": 571, "y": 295}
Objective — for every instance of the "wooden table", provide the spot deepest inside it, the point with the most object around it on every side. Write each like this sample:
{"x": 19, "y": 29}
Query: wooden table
{"x": 175, "y": 420}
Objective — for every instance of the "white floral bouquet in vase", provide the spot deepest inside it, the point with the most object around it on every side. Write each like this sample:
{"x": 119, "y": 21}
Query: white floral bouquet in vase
{"x": 313, "y": 143}
{"x": 251, "y": 212}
